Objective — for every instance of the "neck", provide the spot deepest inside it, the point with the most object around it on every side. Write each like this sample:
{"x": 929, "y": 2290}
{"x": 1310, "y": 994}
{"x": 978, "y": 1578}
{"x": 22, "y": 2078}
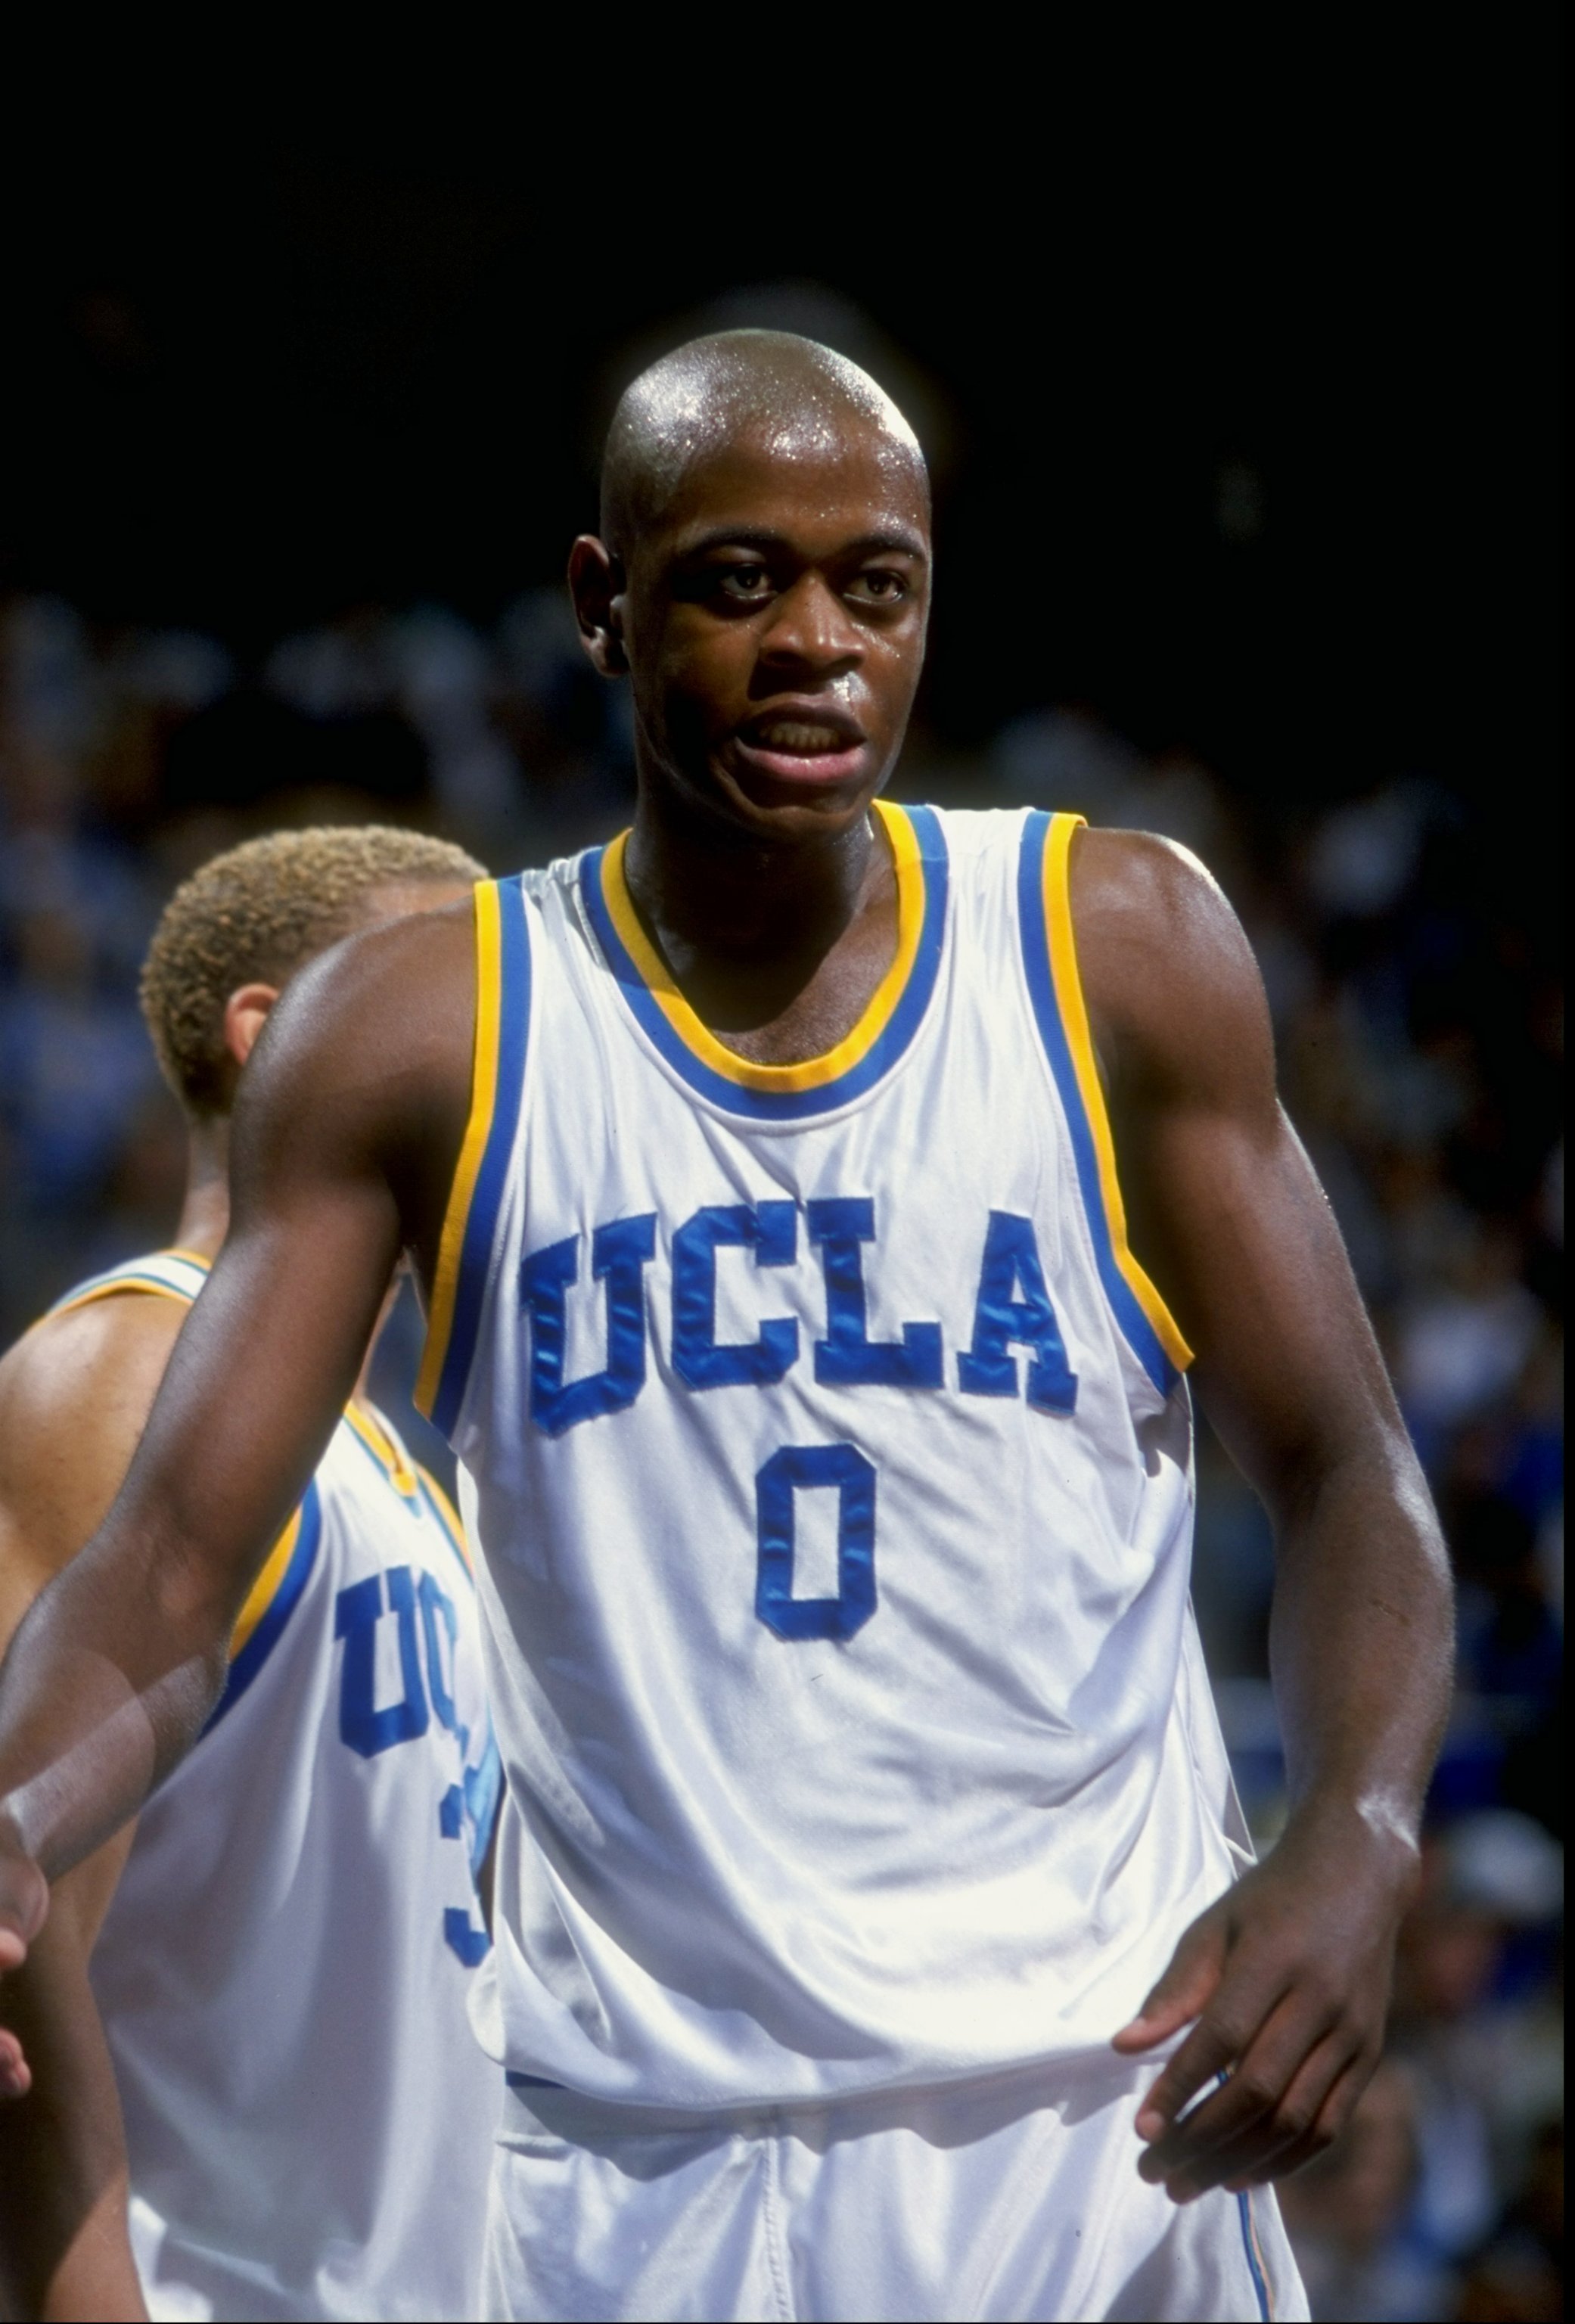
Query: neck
{"x": 743, "y": 925}
{"x": 205, "y": 1214}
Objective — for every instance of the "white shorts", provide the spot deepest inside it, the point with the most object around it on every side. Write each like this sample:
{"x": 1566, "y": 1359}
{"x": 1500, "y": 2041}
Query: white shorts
{"x": 1016, "y": 2196}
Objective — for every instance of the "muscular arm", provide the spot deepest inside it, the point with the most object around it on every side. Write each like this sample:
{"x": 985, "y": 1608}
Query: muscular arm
{"x": 350, "y": 1117}
{"x": 1288, "y": 1977}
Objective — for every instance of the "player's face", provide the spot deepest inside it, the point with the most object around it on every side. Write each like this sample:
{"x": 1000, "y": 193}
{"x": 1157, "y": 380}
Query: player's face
{"x": 774, "y": 623}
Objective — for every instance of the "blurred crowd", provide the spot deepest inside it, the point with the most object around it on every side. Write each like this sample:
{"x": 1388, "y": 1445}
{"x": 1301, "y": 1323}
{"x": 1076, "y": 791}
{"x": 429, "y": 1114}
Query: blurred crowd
{"x": 1419, "y": 1018}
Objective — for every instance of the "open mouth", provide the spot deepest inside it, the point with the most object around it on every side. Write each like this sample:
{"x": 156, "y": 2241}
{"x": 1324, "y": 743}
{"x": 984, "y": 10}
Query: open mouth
{"x": 800, "y": 746}
{"x": 800, "y": 738}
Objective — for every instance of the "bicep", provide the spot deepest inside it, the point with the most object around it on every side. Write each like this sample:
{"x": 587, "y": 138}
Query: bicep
{"x": 1226, "y": 1211}
{"x": 1247, "y": 1250}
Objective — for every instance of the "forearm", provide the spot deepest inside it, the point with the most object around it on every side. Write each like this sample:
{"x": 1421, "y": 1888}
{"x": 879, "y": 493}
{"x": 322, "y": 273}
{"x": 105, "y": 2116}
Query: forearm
{"x": 1361, "y": 1635}
{"x": 65, "y": 2249}
{"x": 106, "y": 1683}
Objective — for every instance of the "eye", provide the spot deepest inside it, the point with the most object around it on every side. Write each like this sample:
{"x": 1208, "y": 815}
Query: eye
{"x": 745, "y": 581}
{"x": 879, "y": 586}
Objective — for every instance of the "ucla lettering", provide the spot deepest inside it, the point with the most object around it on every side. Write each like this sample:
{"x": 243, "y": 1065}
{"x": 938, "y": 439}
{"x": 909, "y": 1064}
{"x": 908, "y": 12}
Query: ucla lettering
{"x": 847, "y": 1357}
{"x": 770, "y": 1229}
{"x": 437, "y": 1611}
{"x": 464, "y": 1810}
{"x": 1012, "y": 1312}
{"x": 366, "y": 1727}
{"x": 619, "y": 1256}
{"x": 1003, "y": 1320}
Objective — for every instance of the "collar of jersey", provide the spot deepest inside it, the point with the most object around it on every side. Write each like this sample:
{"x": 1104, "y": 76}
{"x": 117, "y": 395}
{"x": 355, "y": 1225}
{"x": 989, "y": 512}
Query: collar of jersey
{"x": 784, "y": 1093}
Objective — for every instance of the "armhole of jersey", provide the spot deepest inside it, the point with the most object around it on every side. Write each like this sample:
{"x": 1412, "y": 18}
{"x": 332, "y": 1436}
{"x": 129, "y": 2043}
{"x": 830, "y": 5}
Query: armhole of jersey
{"x": 272, "y": 1601}
{"x": 448, "y": 1517}
{"x": 502, "y": 1018}
{"x": 1056, "y": 992}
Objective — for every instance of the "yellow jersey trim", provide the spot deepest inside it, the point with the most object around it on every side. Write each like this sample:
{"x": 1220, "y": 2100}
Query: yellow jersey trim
{"x": 136, "y": 1274}
{"x": 1069, "y": 999}
{"x": 260, "y": 1596}
{"x": 380, "y": 1443}
{"x": 483, "y": 1093}
{"x": 124, "y": 1286}
{"x": 814, "y": 1073}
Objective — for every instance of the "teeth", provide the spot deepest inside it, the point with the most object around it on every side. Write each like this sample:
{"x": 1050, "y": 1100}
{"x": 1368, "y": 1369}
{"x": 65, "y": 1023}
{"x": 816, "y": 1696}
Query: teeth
{"x": 798, "y": 735}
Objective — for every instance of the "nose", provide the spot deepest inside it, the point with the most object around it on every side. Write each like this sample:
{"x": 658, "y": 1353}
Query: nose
{"x": 810, "y": 632}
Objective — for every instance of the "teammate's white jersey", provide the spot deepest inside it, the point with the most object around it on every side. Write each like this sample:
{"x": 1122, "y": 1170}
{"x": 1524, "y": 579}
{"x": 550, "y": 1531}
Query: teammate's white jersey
{"x": 283, "y": 1971}
{"x": 830, "y": 1465}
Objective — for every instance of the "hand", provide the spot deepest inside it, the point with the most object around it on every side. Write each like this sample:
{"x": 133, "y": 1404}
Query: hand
{"x": 1288, "y": 1978}
{"x": 23, "y": 1903}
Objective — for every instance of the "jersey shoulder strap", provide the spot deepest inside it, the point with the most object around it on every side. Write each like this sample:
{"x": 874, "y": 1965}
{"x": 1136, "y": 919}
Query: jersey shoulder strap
{"x": 1061, "y": 1014}
{"x": 165, "y": 1274}
{"x": 502, "y": 1032}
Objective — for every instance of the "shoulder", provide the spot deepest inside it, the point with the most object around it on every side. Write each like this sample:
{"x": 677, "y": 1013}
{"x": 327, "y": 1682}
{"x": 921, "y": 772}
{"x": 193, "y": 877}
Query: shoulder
{"x": 1141, "y": 890}
{"x": 105, "y": 1358}
{"x": 1168, "y": 976}
{"x": 403, "y": 983}
{"x": 75, "y": 1395}
{"x": 372, "y": 1032}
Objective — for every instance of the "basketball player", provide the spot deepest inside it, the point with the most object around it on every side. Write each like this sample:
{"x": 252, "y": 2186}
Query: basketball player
{"x": 874, "y": 1930}
{"x": 284, "y": 1947}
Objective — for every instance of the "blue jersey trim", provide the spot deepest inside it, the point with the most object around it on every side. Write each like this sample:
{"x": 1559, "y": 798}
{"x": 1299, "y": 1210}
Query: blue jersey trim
{"x": 1254, "y": 2264}
{"x": 1139, "y": 1332}
{"x": 484, "y": 1789}
{"x": 787, "y": 1105}
{"x": 286, "y": 1597}
{"x": 481, "y": 1218}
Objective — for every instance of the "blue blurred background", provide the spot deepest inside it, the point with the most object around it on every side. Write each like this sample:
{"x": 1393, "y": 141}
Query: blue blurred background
{"x": 1244, "y": 432}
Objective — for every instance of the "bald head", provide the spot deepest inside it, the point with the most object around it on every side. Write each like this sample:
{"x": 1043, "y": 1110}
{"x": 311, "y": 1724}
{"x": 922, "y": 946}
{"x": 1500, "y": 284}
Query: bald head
{"x": 790, "y": 395}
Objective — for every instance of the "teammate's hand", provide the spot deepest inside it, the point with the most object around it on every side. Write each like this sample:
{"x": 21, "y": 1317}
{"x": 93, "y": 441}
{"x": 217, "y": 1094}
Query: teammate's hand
{"x": 24, "y": 1900}
{"x": 1288, "y": 1978}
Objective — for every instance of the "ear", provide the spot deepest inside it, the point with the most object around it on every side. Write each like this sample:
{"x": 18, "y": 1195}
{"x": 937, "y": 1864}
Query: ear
{"x": 245, "y": 1014}
{"x": 596, "y": 584}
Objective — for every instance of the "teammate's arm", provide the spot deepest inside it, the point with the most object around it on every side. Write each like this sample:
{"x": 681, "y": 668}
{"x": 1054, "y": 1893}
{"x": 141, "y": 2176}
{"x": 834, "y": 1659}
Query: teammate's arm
{"x": 344, "y": 1141}
{"x": 74, "y": 1397}
{"x": 1287, "y": 1977}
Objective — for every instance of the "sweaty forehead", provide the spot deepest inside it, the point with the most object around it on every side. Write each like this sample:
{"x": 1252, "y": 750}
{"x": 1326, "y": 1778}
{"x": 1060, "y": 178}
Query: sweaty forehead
{"x": 819, "y": 491}
{"x": 756, "y": 414}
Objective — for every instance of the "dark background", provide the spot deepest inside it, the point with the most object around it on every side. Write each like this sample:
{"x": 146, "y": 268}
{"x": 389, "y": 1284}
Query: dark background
{"x": 1243, "y": 393}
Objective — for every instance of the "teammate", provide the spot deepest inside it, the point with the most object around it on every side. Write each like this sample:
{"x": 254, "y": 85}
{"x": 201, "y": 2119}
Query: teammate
{"x": 868, "y": 1849}
{"x": 281, "y": 1976}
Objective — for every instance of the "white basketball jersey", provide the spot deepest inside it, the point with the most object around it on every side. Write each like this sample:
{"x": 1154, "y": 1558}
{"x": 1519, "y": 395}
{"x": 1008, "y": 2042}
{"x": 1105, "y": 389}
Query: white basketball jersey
{"x": 831, "y": 1465}
{"x": 284, "y": 1969}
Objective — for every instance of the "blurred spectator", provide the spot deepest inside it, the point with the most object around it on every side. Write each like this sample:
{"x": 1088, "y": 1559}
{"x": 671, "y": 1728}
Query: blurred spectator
{"x": 1519, "y": 2272}
{"x": 1476, "y": 2023}
{"x": 1419, "y": 1026}
{"x": 1347, "y": 2216}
